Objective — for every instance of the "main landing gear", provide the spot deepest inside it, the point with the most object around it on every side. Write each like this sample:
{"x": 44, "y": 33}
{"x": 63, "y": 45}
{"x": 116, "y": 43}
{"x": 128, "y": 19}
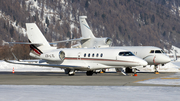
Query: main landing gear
{"x": 70, "y": 72}
{"x": 89, "y": 73}
{"x": 121, "y": 70}
{"x": 127, "y": 70}
{"x": 131, "y": 70}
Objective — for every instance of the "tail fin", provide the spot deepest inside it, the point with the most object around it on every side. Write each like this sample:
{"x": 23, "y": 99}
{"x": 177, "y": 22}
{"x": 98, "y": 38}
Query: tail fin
{"x": 35, "y": 36}
{"x": 85, "y": 29}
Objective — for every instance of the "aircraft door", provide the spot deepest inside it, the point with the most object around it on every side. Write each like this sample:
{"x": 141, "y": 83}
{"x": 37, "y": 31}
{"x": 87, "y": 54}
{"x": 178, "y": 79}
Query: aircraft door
{"x": 79, "y": 56}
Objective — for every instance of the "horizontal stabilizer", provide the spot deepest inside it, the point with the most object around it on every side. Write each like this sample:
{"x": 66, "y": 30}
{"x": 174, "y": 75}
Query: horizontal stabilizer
{"x": 25, "y": 43}
{"x": 49, "y": 65}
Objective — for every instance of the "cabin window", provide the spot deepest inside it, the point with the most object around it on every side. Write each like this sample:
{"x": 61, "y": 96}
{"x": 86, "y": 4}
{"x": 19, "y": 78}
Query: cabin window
{"x": 157, "y": 51}
{"x": 89, "y": 55}
{"x": 84, "y": 54}
{"x": 152, "y": 51}
{"x": 97, "y": 55}
{"x": 126, "y": 54}
{"x": 93, "y": 55}
{"x": 101, "y": 55}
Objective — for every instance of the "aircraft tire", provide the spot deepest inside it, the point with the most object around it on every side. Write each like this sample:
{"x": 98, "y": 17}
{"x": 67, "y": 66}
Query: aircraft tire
{"x": 89, "y": 73}
{"x": 71, "y": 74}
{"x": 128, "y": 70}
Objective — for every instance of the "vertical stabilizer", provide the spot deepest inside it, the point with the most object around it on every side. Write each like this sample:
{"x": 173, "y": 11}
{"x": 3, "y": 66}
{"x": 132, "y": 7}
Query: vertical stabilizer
{"x": 85, "y": 29}
{"x": 36, "y": 36}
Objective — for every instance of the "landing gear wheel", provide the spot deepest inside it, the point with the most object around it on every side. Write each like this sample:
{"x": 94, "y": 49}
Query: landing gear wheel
{"x": 71, "y": 74}
{"x": 128, "y": 70}
{"x": 89, "y": 73}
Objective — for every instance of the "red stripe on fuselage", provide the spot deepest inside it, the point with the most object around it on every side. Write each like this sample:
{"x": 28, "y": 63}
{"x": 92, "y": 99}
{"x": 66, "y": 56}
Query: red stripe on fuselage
{"x": 69, "y": 58}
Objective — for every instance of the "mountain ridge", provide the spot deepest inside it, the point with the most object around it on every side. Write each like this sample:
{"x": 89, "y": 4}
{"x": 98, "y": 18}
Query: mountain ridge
{"x": 127, "y": 22}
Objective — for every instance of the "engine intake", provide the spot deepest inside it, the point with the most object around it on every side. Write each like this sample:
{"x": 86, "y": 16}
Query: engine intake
{"x": 108, "y": 41}
{"x": 62, "y": 55}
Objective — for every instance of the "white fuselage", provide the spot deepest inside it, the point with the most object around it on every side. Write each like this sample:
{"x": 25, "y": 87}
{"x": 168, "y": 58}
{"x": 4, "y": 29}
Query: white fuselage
{"x": 153, "y": 55}
{"x": 92, "y": 58}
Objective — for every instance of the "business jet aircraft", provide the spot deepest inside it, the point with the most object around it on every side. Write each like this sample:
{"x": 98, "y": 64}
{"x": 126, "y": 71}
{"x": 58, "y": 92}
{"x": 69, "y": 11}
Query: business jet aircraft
{"x": 77, "y": 59}
{"x": 153, "y": 55}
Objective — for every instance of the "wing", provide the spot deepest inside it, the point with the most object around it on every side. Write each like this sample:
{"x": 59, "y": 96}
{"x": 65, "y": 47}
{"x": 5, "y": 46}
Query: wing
{"x": 52, "y": 65}
{"x": 78, "y": 39}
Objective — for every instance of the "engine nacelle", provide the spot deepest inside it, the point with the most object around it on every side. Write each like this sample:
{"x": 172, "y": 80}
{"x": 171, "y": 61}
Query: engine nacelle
{"x": 103, "y": 42}
{"x": 97, "y": 43}
{"x": 51, "y": 56}
{"x": 109, "y": 41}
{"x": 62, "y": 55}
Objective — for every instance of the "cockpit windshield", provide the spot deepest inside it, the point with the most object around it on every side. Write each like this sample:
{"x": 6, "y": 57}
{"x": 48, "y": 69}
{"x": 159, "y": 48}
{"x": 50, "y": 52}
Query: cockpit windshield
{"x": 157, "y": 51}
{"x": 126, "y": 54}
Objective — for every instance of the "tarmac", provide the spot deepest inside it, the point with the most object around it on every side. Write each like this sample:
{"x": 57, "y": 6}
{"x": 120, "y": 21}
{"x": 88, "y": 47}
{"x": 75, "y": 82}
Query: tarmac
{"x": 79, "y": 79}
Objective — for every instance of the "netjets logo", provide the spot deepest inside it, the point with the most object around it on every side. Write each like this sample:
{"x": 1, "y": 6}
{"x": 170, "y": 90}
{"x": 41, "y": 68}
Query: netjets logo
{"x": 86, "y": 26}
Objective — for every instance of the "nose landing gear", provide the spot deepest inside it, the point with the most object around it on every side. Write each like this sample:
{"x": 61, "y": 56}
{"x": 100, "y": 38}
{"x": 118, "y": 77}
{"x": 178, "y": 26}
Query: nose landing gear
{"x": 155, "y": 68}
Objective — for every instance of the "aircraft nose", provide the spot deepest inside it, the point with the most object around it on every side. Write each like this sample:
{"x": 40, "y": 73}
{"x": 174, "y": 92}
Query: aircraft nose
{"x": 162, "y": 59}
{"x": 142, "y": 62}
{"x": 167, "y": 59}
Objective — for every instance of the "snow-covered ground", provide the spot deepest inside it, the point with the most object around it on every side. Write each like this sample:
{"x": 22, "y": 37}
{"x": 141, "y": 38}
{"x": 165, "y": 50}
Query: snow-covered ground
{"x": 169, "y": 80}
{"x": 87, "y": 93}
